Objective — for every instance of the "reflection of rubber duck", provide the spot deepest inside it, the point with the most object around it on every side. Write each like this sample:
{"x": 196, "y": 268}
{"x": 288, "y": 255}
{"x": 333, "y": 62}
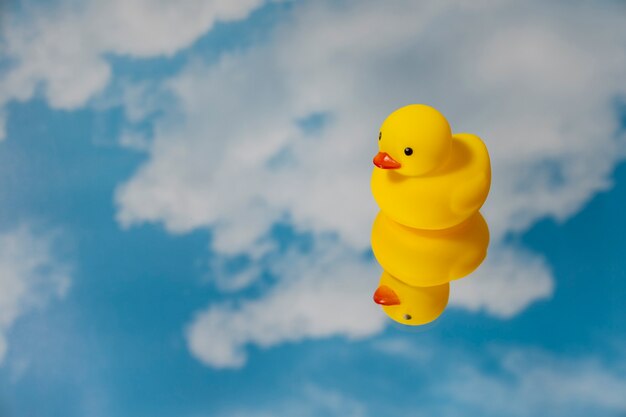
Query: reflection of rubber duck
{"x": 428, "y": 178}
{"x": 411, "y": 305}
{"x": 429, "y": 257}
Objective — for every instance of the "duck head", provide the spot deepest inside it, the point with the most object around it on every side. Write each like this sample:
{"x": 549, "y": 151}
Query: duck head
{"x": 410, "y": 305}
{"x": 414, "y": 140}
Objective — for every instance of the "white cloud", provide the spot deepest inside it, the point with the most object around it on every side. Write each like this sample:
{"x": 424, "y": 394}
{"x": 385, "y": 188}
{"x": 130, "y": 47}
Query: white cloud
{"x": 519, "y": 381}
{"x": 453, "y": 381}
{"x": 29, "y": 276}
{"x": 324, "y": 292}
{"x": 3, "y": 127}
{"x": 62, "y": 50}
{"x": 311, "y": 401}
{"x": 509, "y": 280}
{"x": 135, "y": 140}
{"x": 534, "y": 383}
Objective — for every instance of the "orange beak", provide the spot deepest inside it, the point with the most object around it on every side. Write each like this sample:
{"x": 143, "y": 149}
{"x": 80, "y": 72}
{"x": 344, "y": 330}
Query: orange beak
{"x": 384, "y": 161}
{"x": 385, "y": 296}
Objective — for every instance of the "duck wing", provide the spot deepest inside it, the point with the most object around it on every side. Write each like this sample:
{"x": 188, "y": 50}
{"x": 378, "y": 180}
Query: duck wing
{"x": 470, "y": 195}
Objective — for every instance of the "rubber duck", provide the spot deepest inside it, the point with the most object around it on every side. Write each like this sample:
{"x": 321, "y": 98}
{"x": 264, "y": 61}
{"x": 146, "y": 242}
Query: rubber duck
{"x": 429, "y": 257}
{"x": 426, "y": 177}
{"x": 412, "y": 306}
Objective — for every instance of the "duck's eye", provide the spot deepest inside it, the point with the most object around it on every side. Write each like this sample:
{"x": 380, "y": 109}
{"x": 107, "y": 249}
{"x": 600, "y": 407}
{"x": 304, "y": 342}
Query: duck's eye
{"x": 380, "y": 135}
{"x": 408, "y": 151}
{"x": 407, "y": 317}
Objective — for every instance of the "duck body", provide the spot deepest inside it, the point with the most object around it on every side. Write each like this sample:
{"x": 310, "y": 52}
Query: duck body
{"x": 442, "y": 198}
{"x": 429, "y": 257}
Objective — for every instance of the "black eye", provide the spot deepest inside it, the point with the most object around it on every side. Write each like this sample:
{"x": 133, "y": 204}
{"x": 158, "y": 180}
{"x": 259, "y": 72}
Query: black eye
{"x": 407, "y": 317}
{"x": 408, "y": 151}
{"x": 380, "y": 135}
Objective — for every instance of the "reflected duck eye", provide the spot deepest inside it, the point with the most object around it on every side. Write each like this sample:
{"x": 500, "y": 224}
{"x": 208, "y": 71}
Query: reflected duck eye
{"x": 407, "y": 317}
{"x": 408, "y": 151}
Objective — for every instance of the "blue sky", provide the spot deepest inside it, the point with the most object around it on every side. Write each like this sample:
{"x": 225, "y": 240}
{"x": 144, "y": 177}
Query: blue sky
{"x": 186, "y": 209}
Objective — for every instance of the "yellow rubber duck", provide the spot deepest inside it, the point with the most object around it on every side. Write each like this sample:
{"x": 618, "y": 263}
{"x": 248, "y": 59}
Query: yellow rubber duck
{"x": 410, "y": 305}
{"x": 425, "y": 177}
{"x": 429, "y": 257}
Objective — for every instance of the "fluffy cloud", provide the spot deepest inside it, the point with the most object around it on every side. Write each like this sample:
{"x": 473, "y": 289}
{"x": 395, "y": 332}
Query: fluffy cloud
{"x": 532, "y": 382}
{"x": 519, "y": 382}
{"x": 529, "y": 80}
{"x": 328, "y": 293}
{"x": 508, "y": 281}
{"x": 312, "y": 401}
{"x": 30, "y": 276}
{"x": 63, "y": 50}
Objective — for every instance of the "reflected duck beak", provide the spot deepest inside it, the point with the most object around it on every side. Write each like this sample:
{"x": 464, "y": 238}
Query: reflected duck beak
{"x": 385, "y": 296}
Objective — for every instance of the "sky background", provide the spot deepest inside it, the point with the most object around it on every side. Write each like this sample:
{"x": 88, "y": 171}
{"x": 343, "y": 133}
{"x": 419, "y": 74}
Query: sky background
{"x": 185, "y": 208}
